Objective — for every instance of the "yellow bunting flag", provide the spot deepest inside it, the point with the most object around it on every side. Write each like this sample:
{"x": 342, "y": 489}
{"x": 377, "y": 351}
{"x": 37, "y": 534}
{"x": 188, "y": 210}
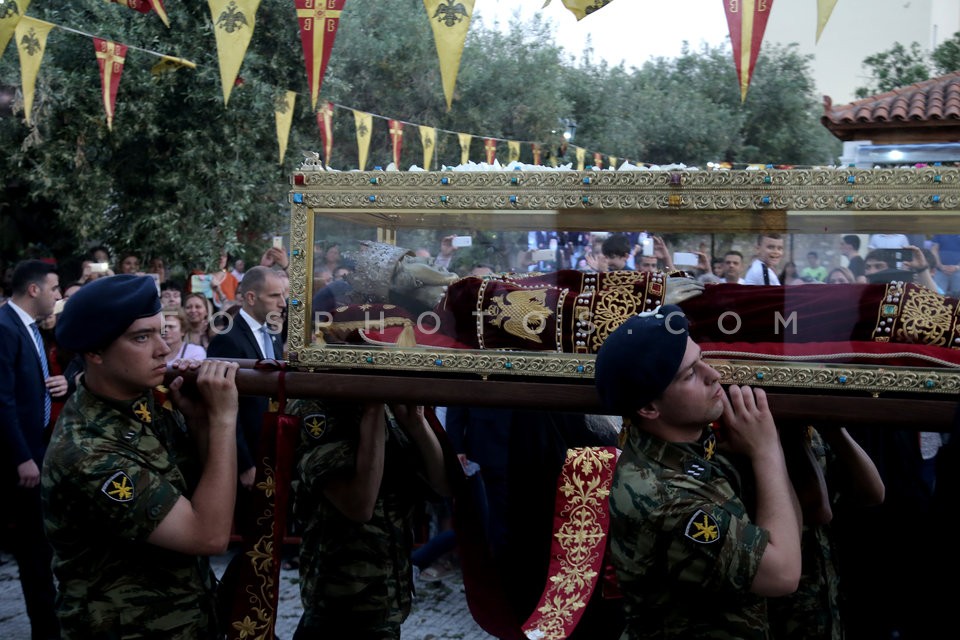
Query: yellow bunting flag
{"x": 513, "y": 151}
{"x": 364, "y": 124}
{"x": 490, "y": 147}
{"x": 613, "y": 162}
{"x": 536, "y": 153}
{"x": 598, "y": 161}
{"x": 465, "y": 139}
{"x": 325, "y": 122}
{"x": 110, "y": 59}
{"x": 170, "y": 63}
{"x": 144, "y": 6}
{"x": 283, "y": 110}
{"x": 428, "y": 138}
{"x": 233, "y": 22}
{"x": 10, "y": 13}
{"x": 581, "y": 158}
{"x": 583, "y": 8}
{"x": 450, "y": 20}
{"x": 824, "y": 9}
{"x": 746, "y": 20}
{"x": 319, "y": 20}
{"x": 396, "y": 138}
{"x": 31, "y": 39}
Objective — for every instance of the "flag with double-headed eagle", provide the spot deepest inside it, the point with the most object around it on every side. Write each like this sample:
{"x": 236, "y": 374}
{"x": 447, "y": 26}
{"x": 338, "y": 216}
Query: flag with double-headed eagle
{"x": 450, "y": 21}
{"x": 513, "y": 151}
{"x": 581, "y": 158}
{"x": 233, "y": 22}
{"x": 31, "y": 39}
{"x": 396, "y": 138}
{"x": 824, "y": 9}
{"x": 318, "y": 20}
{"x": 746, "y": 20}
{"x": 110, "y": 59}
{"x": 583, "y": 8}
{"x": 490, "y": 148}
{"x": 428, "y": 138}
{"x": 283, "y": 112}
{"x": 10, "y": 13}
{"x": 364, "y": 125}
{"x": 465, "y": 139}
{"x": 535, "y": 147}
{"x": 325, "y": 122}
{"x": 171, "y": 63}
{"x": 145, "y": 6}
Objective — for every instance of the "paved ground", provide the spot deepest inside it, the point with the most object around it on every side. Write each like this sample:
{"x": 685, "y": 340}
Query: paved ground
{"x": 439, "y": 611}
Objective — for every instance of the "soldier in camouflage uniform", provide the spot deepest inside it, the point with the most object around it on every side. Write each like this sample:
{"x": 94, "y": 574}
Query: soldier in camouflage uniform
{"x": 361, "y": 472}
{"x": 133, "y": 500}
{"x": 692, "y": 563}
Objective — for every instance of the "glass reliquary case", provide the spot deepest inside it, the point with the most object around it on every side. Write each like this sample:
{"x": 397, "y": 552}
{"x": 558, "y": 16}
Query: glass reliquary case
{"x": 502, "y": 275}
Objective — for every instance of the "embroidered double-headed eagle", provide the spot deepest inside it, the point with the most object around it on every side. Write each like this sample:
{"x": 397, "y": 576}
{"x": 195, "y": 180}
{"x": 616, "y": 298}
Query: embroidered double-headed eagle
{"x": 450, "y": 14}
{"x": 521, "y": 313}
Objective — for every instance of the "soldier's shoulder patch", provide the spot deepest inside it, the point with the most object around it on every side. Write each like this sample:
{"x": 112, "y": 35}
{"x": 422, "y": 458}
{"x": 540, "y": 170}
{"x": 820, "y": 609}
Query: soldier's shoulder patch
{"x": 702, "y": 528}
{"x": 118, "y": 487}
{"x": 316, "y": 425}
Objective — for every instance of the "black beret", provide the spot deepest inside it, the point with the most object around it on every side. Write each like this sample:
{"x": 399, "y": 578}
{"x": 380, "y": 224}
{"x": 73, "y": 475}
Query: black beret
{"x": 639, "y": 360}
{"x": 102, "y": 310}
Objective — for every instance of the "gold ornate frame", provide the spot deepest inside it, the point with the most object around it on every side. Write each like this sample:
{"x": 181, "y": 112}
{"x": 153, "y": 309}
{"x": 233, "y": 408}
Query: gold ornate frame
{"x": 785, "y": 201}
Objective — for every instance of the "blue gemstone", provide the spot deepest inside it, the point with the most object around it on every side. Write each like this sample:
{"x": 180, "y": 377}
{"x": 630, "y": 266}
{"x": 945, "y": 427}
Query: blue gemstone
{"x": 586, "y": 180}
{"x": 514, "y": 180}
{"x": 929, "y": 384}
{"x": 444, "y": 180}
{"x": 936, "y": 198}
{"x": 767, "y": 179}
{"x": 851, "y": 179}
{"x": 298, "y": 198}
{"x": 508, "y": 365}
{"x": 296, "y": 252}
{"x": 759, "y": 375}
{"x": 585, "y": 199}
{"x": 849, "y": 199}
{"x": 374, "y": 180}
{"x": 378, "y": 168}
{"x": 842, "y": 379}
{"x": 938, "y": 178}
{"x": 369, "y": 359}
{"x": 579, "y": 368}
{"x": 443, "y": 198}
{"x": 513, "y": 198}
{"x": 438, "y": 362}
{"x": 372, "y": 198}
{"x": 765, "y": 200}
{"x": 294, "y": 302}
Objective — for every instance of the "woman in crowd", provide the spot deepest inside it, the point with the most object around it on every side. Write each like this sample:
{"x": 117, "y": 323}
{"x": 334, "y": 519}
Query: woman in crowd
{"x": 198, "y": 310}
{"x": 790, "y": 275}
{"x": 174, "y": 329}
{"x": 841, "y": 275}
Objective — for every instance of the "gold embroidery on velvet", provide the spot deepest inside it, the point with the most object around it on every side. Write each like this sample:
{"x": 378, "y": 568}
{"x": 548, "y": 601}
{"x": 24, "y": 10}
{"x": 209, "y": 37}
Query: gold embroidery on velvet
{"x": 585, "y": 482}
{"x": 925, "y": 318}
{"x": 522, "y": 313}
{"x": 620, "y": 278}
{"x": 611, "y": 309}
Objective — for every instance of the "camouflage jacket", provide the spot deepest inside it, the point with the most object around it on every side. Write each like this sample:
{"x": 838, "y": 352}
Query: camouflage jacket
{"x": 683, "y": 545}
{"x": 112, "y": 472}
{"x": 356, "y": 578}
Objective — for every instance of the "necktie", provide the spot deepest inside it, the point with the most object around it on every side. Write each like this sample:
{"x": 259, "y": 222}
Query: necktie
{"x": 267, "y": 343}
{"x": 38, "y": 339}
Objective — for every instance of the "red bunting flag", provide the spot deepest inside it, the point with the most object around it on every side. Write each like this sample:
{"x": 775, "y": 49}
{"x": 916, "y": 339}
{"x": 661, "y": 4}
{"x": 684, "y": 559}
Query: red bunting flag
{"x": 490, "y": 146}
{"x": 598, "y": 161}
{"x": 144, "y": 6}
{"x": 325, "y": 122}
{"x": 110, "y": 59}
{"x": 396, "y": 137}
{"x": 746, "y": 20}
{"x": 536, "y": 153}
{"x": 318, "y": 20}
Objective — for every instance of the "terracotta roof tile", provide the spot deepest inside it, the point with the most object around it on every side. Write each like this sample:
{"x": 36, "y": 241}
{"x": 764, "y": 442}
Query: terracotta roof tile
{"x": 935, "y": 101}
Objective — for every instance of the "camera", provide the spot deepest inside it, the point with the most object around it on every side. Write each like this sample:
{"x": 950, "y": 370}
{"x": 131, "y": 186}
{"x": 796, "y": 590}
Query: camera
{"x": 99, "y": 267}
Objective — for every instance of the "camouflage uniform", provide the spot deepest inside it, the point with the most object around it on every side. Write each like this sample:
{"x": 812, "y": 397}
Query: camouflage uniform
{"x": 112, "y": 472}
{"x": 813, "y": 610}
{"x": 684, "y": 547}
{"x": 355, "y": 578}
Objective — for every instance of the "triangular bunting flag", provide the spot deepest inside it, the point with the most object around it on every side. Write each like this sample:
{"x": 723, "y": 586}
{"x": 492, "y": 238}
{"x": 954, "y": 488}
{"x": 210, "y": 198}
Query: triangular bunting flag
{"x": 581, "y": 158}
{"x": 233, "y": 22}
{"x": 450, "y": 20}
{"x": 325, "y": 122}
{"x": 169, "y": 63}
{"x": 428, "y": 138}
{"x": 10, "y": 15}
{"x": 465, "y": 139}
{"x": 613, "y": 162}
{"x": 31, "y": 41}
{"x": 396, "y": 138}
{"x": 583, "y": 8}
{"x": 110, "y": 59}
{"x": 824, "y": 9}
{"x": 536, "y": 153}
{"x": 283, "y": 111}
{"x": 364, "y": 124}
{"x": 144, "y": 6}
{"x": 490, "y": 147}
{"x": 318, "y": 20}
{"x": 513, "y": 151}
{"x": 746, "y": 20}
{"x": 598, "y": 161}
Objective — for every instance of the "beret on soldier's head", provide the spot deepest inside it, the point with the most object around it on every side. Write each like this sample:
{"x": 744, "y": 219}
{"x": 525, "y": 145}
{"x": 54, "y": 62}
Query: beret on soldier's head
{"x": 638, "y": 361}
{"x": 102, "y": 310}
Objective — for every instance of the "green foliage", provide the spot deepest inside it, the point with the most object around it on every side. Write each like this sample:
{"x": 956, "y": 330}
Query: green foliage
{"x": 946, "y": 57}
{"x": 181, "y": 175}
{"x": 898, "y": 66}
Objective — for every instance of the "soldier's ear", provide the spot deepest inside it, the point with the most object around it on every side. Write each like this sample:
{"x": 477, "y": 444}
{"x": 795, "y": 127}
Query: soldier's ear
{"x": 650, "y": 411}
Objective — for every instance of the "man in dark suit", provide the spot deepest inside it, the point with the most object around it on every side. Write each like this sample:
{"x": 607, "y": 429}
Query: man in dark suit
{"x": 26, "y": 388}
{"x": 254, "y": 334}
